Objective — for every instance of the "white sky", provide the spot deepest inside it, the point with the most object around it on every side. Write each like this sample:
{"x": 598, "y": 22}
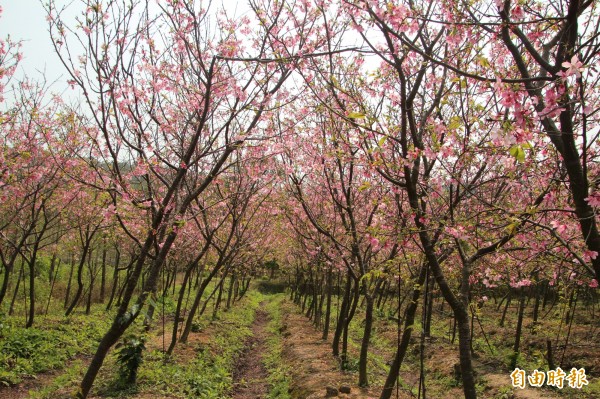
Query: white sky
{"x": 25, "y": 21}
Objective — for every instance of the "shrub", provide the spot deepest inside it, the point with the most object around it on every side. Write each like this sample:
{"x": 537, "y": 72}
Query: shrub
{"x": 129, "y": 357}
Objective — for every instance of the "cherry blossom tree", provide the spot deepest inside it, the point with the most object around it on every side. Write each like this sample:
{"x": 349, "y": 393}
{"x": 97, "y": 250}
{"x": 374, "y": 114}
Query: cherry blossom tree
{"x": 167, "y": 104}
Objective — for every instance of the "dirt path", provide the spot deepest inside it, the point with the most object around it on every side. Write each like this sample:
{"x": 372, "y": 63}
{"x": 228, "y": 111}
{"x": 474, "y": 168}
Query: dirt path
{"x": 250, "y": 375}
{"x": 312, "y": 365}
{"x": 24, "y": 389}
{"x": 21, "y": 391}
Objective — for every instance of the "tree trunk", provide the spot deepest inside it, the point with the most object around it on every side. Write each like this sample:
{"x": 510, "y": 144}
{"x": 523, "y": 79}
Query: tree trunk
{"x": 4, "y": 287}
{"x": 230, "y": 290}
{"x": 328, "y": 306}
{"x": 31, "y": 292}
{"x": 536, "y": 305}
{"x": 343, "y": 310}
{"x": 84, "y": 254}
{"x": 201, "y": 287}
{"x": 14, "y": 298}
{"x": 364, "y": 348}
{"x": 115, "y": 281}
{"x": 103, "y": 275}
{"x": 508, "y": 300}
{"x": 88, "y": 305}
{"x": 32, "y": 262}
{"x": 53, "y": 282}
{"x": 429, "y": 300}
{"x": 218, "y": 301}
{"x": 409, "y": 319}
{"x": 245, "y": 287}
{"x": 519, "y": 329}
{"x": 177, "y": 320}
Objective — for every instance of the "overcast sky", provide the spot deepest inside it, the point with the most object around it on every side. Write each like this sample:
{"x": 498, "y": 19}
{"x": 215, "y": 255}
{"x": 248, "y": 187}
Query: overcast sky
{"x": 25, "y": 20}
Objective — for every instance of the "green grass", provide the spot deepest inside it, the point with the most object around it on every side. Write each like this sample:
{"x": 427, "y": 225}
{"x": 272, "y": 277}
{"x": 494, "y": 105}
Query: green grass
{"x": 279, "y": 373}
{"x": 50, "y": 344}
{"x": 209, "y": 374}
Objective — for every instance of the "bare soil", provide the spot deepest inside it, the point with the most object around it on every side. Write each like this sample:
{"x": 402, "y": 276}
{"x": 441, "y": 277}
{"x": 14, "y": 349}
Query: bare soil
{"x": 250, "y": 375}
{"x": 21, "y": 391}
{"x": 312, "y": 365}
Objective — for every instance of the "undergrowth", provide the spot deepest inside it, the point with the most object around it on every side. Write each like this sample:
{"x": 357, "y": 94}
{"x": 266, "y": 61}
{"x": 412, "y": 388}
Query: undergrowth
{"x": 279, "y": 373}
{"x": 52, "y": 342}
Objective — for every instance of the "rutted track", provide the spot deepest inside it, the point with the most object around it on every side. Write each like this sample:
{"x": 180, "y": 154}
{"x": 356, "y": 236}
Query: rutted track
{"x": 250, "y": 375}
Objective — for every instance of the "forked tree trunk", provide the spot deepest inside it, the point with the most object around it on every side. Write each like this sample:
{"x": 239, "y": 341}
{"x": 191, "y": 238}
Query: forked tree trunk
{"x": 201, "y": 288}
{"x": 409, "y": 319}
{"x": 186, "y": 282}
{"x": 343, "y": 311}
{"x": 347, "y": 320}
{"x": 86, "y": 252}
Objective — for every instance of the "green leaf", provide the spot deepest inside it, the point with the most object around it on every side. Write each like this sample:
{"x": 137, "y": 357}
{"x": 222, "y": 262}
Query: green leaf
{"x": 356, "y": 115}
{"x": 483, "y": 62}
{"x": 526, "y": 145}
{"x": 517, "y": 152}
{"x": 511, "y": 228}
{"x": 364, "y": 186}
{"x": 455, "y": 123}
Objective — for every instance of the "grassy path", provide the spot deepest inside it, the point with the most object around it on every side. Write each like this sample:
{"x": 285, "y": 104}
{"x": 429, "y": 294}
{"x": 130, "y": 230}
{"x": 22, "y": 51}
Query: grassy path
{"x": 250, "y": 373}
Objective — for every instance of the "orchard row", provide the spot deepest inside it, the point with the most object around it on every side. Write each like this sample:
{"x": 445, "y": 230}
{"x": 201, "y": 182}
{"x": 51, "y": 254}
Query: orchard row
{"x": 419, "y": 150}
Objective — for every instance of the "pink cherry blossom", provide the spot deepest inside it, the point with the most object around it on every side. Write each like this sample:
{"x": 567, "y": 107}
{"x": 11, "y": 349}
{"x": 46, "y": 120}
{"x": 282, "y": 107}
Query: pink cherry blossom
{"x": 574, "y": 67}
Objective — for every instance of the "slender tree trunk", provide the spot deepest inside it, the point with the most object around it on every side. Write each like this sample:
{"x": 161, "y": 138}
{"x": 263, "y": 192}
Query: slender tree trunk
{"x": 328, "y": 305}
{"x": 236, "y": 289}
{"x": 364, "y": 348}
{"x": 516, "y": 346}
{"x": 459, "y": 308}
{"x": 549, "y": 355}
{"x": 32, "y": 262}
{"x": 508, "y": 300}
{"x": 343, "y": 310}
{"x": 14, "y": 298}
{"x": 53, "y": 282}
{"x": 88, "y": 305}
{"x": 409, "y": 319}
{"x": 546, "y": 294}
{"x": 31, "y": 290}
{"x": 68, "y": 291}
{"x": 218, "y": 301}
{"x": 103, "y": 274}
{"x": 536, "y": 305}
{"x": 123, "y": 287}
{"x": 52, "y": 265}
{"x": 245, "y": 287}
{"x": 115, "y": 281}
{"x": 124, "y": 317}
{"x": 4, "y": 287}
{"x": 230, "y": 290}
{"x": 178, "y": 320}
{"x": 211, "y": 296}
{"x": 430, "y": 285}
{"x": 347, "y": 320}
{"x": 84, "y": 255}
{"x": 201, "y": 287}
{"x": 174, "y": 282}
